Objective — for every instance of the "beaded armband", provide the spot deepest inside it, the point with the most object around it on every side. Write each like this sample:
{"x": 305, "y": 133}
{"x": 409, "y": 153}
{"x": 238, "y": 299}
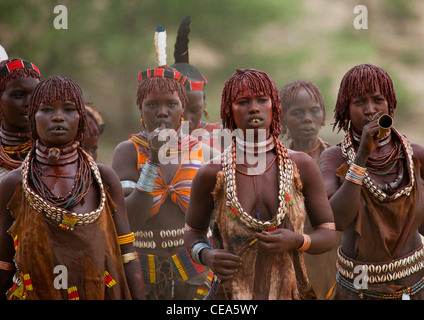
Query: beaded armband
{"x": 127, "y": 257}
{"x": 188, "y": 228}
{"x": 126, "y": 238}
{"x": 326, "y": 225}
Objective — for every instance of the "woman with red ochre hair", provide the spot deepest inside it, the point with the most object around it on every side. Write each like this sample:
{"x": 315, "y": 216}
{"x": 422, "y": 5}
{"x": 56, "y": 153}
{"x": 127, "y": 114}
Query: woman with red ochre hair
{"x": 260, "y": 193}
{"x": 375, "y": 190}
{"x": 62, "y": 216}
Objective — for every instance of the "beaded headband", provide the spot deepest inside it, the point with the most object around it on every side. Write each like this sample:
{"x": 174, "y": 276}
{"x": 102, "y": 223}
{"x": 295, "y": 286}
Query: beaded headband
{"x": 17, "y": 64}
{"x": 196, "y": 85}
{"x": 159, "y": 72}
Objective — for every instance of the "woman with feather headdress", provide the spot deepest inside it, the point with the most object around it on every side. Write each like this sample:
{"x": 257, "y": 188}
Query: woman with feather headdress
{"x": 156, "y": 177}
{"x": 196, "y": 106}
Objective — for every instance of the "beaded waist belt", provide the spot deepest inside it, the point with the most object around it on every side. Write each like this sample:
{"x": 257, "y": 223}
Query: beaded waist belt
{"x": 379, "y": 272}
{"x": 159, "y": 238}
{"x": 181, "y": 263}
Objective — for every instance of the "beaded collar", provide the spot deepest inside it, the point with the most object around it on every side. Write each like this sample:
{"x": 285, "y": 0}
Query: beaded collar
{"x": 285, "y": 168}
{"x": 67, "y": 219}
{"x": 13, "y": 138}
{"x": 13, "y": 144}
{"x": 349, "y": 153}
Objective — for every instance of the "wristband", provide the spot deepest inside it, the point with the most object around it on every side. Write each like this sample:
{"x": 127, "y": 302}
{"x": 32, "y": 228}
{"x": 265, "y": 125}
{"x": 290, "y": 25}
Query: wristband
{"x": 196, "y": 249}
{"x": 306, "y": 243}
{"x": 147, "y": 178}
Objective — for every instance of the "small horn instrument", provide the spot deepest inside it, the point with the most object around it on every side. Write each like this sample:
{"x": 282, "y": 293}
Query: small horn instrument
{"x": 384, "y": 124}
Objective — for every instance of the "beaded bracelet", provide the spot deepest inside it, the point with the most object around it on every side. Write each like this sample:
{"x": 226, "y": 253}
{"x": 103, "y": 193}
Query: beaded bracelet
{"x": 126, "y": 238}
{"x": 356, "y": 174}
{"x": 306, "y": 243}
{"x": 147, "y": 178}
{"x": 196, "y": 249}
{"x": 357, "y": 169}
{"x": 127, "y": 257}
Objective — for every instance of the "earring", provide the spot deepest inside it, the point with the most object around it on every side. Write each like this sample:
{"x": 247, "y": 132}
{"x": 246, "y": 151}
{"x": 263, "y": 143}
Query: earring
{"x": 142, "y": 122}
{"x": 205, "y": 113}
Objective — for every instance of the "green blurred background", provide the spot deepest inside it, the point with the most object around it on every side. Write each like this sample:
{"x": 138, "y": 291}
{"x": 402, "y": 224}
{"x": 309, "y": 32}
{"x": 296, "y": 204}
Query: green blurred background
{"x": 107, "y": 42}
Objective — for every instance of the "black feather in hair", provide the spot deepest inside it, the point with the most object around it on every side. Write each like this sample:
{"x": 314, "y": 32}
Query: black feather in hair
{"x": 181, "y": 44}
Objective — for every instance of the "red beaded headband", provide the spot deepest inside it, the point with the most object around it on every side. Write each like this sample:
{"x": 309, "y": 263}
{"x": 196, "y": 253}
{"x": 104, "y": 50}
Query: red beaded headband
{"x": 159, "y": 72}
{"x": 17, "y": 64}
{"x": 196, "y": 85}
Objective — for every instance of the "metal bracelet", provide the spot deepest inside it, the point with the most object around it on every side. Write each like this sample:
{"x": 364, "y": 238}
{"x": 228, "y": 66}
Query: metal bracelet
{"x": 147, "y": 178}
{"x": 196, "y": 249}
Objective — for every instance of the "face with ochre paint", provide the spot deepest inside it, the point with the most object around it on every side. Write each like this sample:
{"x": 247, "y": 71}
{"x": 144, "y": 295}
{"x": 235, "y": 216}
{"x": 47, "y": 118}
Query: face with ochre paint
{"x": 366, "y": 107}
{"x": 14, "y": 104}
{"x": 252, "y": 111}
{"x": 57, "y": 122}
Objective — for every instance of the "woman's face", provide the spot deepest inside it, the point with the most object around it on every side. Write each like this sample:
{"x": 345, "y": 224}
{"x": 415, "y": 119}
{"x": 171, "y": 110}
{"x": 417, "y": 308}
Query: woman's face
{"x": 365, "y": 107}
{"x": 252, "y": 112}
{"x": 57, "y": 122}
{"x": 91, "y": 144}
{"x": 160, "y": 109}
{"x": 14, "y": 104}
{"x": 194, "y": 109}
{"x": 304, "y": 118}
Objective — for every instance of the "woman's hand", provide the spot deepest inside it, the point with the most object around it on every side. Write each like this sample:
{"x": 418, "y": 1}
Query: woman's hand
{"x": 155, "y": 143}
{"x": 369, "y": 141}
{"x": 223, "y": 263}
{"x": 279, "y": 240}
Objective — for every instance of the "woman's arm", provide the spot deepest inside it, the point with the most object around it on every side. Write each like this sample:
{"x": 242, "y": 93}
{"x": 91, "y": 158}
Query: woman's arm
{"x": 138, "y": 204}
{"x": 7, "y": 189}
{"x": 199, "y": 213}
{"x": 132, "y": 268}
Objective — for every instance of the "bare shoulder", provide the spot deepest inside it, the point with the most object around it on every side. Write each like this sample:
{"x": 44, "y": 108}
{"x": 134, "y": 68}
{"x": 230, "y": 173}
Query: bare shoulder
{"x": 418, "y": 152}
{"x": 207, "y": 173}
{"x": 8, "y": 185}
{"x": 331, "y": 157}
{"x": 124, "y": 149}
{"x": 124, "y": 161}
{"x": 107, "y": 173}
{"x": 302, "y": 160}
